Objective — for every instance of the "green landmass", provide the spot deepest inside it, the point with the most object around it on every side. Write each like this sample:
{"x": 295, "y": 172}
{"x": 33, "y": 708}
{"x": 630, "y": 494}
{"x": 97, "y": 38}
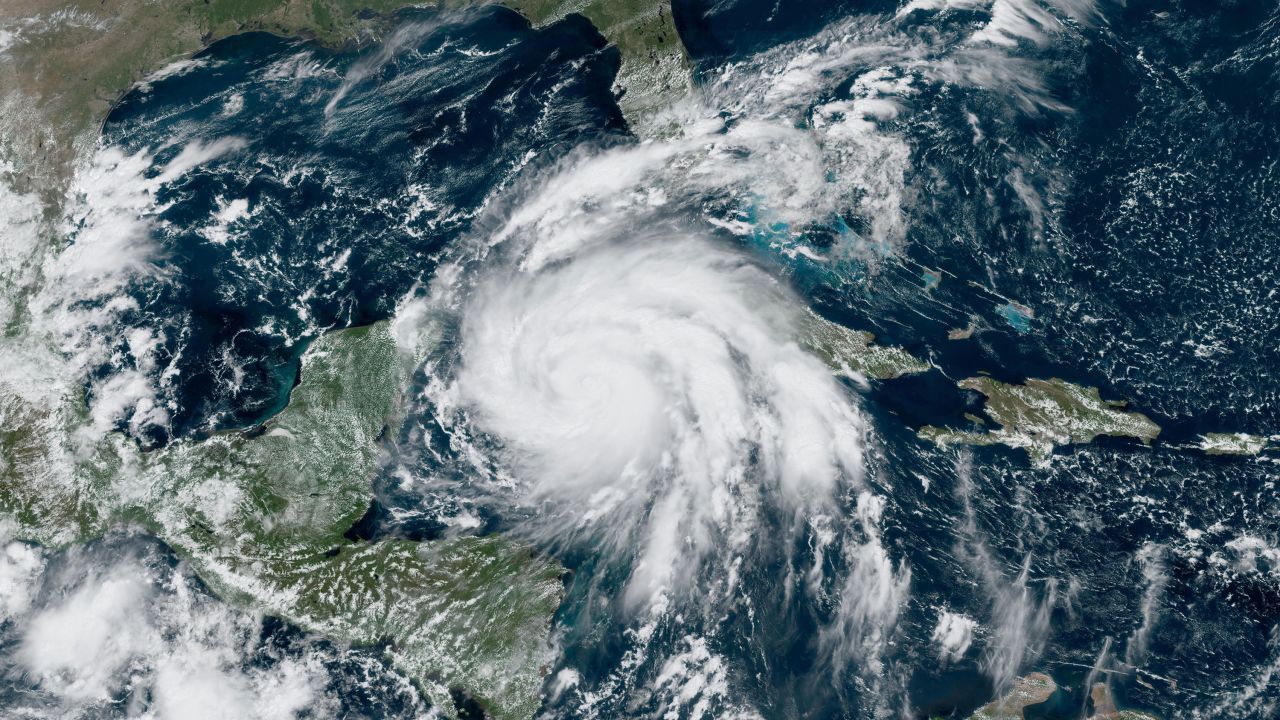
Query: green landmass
{"x": 67, "y": 61}
{"x": 1032, "y": 689}
{"x": 50, "y": 504}
{"x": 655, "y": 66}
{"x": 261, "y": 518}
{"x": 854, "y": 351}
{"x": 1104, "y": 706}
{"x": 1233, "y": 443}
{"x": 1035, "y": 688}
{"x": 1040, "y": 415}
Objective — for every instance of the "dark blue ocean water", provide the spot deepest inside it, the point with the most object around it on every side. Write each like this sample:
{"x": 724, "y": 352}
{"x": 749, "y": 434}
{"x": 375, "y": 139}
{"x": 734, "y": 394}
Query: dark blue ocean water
{"x": 349, "y": 202}
{"x": 1151, "y": 270}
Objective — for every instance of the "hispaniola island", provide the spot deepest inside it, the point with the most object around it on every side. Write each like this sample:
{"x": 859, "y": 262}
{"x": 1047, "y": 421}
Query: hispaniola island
{"x": 639, "y": 359}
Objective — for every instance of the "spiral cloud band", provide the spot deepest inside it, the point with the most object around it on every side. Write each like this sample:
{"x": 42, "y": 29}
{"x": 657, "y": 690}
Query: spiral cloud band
{"x": 655, "y": 385}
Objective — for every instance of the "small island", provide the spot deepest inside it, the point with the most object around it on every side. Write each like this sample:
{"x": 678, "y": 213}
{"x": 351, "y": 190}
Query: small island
{"x": 261, "y": 516}
{"x": 1031, "y": 689}
{"x": 1035, "y": 688}
{"x": 1104, "y": 706}
{"x": 1223, "y": 443}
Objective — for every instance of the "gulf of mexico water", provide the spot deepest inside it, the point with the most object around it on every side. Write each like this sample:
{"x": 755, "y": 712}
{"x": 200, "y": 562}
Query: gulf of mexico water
{"x": 1087, "y": 190}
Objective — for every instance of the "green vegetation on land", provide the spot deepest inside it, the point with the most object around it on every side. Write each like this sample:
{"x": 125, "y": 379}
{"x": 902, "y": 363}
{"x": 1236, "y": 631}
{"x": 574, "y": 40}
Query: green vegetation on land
{"x": 1032, "y": 689}
{"x": 261, "y": 517}
{"x": 655, "y": 67}
{"x": 1233, "y": 443}
{"x": 1040, "y": 415}
{"x": 67, "y": 61}
{"x": 1035, "y": 688}
{"x": 1104, "y": 706}
{"x": 855, "y": 351}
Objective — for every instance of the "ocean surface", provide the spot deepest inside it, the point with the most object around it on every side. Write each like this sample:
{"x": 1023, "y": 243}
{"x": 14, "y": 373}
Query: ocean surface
{"x": 1088, "y": 189}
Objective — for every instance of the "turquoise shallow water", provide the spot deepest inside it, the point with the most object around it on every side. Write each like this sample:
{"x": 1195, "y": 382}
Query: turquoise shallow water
{"x": 1106, "y": 214}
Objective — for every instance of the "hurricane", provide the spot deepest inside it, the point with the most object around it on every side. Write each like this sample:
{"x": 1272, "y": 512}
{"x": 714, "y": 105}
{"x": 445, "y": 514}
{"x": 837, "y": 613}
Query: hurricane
{"x": 621, "y": 353}
{"x": 657, "y": 390}
{"x": 683, "y": 360}
{"x": 622, "y": 384}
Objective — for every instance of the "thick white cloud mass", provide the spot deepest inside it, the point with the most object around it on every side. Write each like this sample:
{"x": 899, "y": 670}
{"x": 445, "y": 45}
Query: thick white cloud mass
{"x": 656, "y": 387}
{"x": 92, "y": 635}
